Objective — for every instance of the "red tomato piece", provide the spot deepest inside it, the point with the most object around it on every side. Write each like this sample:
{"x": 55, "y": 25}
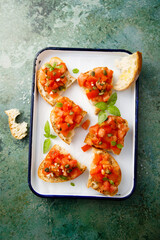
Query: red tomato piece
{"x": 86, "y": 124}
{"x": 86, "y": 147}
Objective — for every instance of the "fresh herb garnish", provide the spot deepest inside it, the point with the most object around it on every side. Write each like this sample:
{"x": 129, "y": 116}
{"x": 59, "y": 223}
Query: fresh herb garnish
{"x": 104, "y": 72}
{"x": 60, "y": 66}
{"x": 63, "y": 177}
{"x": 51, "y": 68}
{"x": 100, "y": 143}
{"x": 75, "y": 70}
{"x": 120, "y": 146}
{"x": 46, "y": 170}
{"x": 102, "y": 116}
{"x": 72, "y": 184}
{"x": 62, "y": 76}
{"x": 67, "y": 166}
{"x": 94, "y": 87}
{"x": 113, "y": 143}
{"x": 46, "y": 145}
{"x": 68, "y": 125}
{"x": 105, "y": 179}
{"x": 61, "y": 88}
{"x": 108, "y": 171}
{"x": 113, "y": 110}
{"x": 59, "y": 104}
{"x": 47, "y": 142}
{"x": 92, "y": 73}
{"x": 109, "y": 134}
{"x": 111, "y": 182}
{"x": 47, "y": 128}
{"x": 109, "y": 106}
{"x": 71, "y": 113}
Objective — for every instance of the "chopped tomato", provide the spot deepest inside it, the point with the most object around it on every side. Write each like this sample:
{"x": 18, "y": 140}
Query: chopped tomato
{"x": 67, "y": 114}
{"x": 106, "y": 173}
{"x": 75, "y": 172}
{"x": 86, "y": 147}
{"x": 97, "y": 159}
{"x": 60, "y": 165}
{"x": 86, "y": 124}
{"x": 109, "y": 135}
{"x": 98, "y": 83}
{"x": 92, "y": 94}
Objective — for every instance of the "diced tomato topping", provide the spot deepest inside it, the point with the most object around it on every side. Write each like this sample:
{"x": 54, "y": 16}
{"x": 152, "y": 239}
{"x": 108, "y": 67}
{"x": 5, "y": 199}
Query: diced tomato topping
{"x": 98, "y": 84}
{"x": 53, "y": 79}
{"x": 75, "y": 172}
{"x": 61, "y": 165}
{"x": 68, "y": 115}
{"x": 92, "y": 94}
{"x": 109, "y": 135}
{"x": 86, "y": 147}
{"x": 106, "y": 174}
{"x": 86, "y": 124}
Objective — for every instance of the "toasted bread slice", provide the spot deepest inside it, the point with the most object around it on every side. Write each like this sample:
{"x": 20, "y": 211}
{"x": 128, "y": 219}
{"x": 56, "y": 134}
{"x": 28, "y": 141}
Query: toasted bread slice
{"x": 97, "y": 85}
{"x": 65, "y": 136}
{"x": 130, "y": 68}
{"x": 105, "y": 173}
{"x": 51, "y": 95}
{"x": 108, "y": 135}
{"x": 18, "y": 130}
{"x": 56, "y": 171}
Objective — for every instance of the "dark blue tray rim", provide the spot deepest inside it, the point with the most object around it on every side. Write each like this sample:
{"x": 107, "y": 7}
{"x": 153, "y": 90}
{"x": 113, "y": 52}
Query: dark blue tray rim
{"x": 31, "y": 126}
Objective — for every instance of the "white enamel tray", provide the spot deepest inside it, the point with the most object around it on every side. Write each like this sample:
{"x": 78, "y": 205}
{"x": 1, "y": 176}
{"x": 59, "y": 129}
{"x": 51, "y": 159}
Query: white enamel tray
{"x": 84, "y": 60}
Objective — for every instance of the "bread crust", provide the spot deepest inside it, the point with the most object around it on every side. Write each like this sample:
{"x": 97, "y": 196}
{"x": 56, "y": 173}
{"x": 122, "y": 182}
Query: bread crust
{"x": 89, "y": 136}
{"x": 119, "y": 86}
{"x": 43, "y": 93}
{"x": 68, "y": 139}
{"x": 97, "y": 110}
{"x": 92, "y": 183}
{"x": 56, "y": 179}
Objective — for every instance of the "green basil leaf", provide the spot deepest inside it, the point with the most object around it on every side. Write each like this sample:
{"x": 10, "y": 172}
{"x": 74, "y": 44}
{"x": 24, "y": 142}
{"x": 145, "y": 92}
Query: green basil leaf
{"x": 47, "y": 135}
{"x": 111, "y": 182}
{"x": 113, "y": 143}
{"x": 46, "y": 145}
{"x": 59, "y": 104}
{"x": 105, "y": 179}
{"x": 75, "y": 70}
{"x": 47, "y": 65}
{"x": 72, "y": 184}
{"x": 113, "y": 110}
{"x": 120, "y": 146}
{"x": 54, "y": 64}
{"x": 101, "y": 105}
{"x": 47, "y": 128}
{"x": 112, "y": 100}
{"x": 102, "y": 116}
{"x": 60, "y": 66}
{"x": 52, "y": 136}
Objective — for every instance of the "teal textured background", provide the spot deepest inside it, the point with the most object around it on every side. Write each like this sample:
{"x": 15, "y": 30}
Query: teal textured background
{"x": 26, "y": 28}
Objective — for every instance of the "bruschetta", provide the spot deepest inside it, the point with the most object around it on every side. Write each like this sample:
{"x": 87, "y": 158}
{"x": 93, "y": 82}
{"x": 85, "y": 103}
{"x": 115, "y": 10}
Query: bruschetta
{"x": 65, "y": 117}
{"x": 53, "y": 78}
{"x": 108, "y": 135}
{"x": 130, "y": 68}
{"x": 105, "y": 173}
{"x": 59, "y": 166}
{"x": 97, "y": 85}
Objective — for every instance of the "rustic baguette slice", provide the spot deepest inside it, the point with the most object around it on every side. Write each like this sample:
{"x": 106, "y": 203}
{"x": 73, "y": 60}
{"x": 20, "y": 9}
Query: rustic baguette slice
{"x": 51, "y": 176}
{"x": 67, "y": 139}
{"x": 18, "y": 130}
{"x": 47, "y": 97}
{"x": 111, "y": 189}
{"x": 130, "y": 68}
{"x": 84, "y": 89}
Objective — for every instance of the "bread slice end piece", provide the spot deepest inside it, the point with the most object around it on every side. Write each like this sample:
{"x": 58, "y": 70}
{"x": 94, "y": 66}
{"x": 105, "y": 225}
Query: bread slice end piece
{"x": 130, "y": 68}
